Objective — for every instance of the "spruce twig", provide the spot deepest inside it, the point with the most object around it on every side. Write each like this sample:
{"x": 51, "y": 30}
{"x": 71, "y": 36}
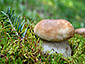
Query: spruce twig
{"x": 11, "y": 23}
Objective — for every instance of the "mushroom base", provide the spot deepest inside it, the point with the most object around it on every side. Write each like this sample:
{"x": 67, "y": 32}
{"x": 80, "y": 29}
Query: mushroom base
{"x": 61, "y": 47}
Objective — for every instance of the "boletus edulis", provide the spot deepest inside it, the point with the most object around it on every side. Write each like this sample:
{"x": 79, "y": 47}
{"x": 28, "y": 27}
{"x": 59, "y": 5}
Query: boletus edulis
{"x": 80, "y": 31}
{"x": 55, "y": 35}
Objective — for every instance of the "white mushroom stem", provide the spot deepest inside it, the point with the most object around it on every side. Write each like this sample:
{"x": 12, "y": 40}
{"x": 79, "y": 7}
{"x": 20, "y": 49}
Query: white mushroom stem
{"x": 61, "y": 47}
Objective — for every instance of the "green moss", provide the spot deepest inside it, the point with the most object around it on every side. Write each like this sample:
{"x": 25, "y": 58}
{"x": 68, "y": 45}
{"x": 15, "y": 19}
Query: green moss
{"x": 29, "y": 51}
{"x": 16, "y": 49}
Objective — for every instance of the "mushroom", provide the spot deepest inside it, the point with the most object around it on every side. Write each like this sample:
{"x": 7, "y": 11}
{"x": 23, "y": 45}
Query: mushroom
{"x": 55, "y": 34}
{"x": 80, "y": 31}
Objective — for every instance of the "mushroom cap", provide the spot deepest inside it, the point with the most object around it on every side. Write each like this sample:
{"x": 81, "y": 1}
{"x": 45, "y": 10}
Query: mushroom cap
{"x": 80, "y": 31}
{"x": 54, "y": 30}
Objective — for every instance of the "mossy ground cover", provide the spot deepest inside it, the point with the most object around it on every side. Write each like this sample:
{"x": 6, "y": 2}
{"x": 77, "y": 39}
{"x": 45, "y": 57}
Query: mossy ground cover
{"x": 25, "y": 47}
{"x": 16, "y": 52}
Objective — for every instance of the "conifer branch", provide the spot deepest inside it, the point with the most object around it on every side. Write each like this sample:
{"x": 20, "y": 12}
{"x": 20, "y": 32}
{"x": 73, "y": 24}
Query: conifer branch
{"x": 10, "y": 23}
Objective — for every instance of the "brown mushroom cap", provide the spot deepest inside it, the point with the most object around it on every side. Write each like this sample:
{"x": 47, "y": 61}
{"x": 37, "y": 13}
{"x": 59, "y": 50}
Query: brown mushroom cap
{"x": 54, "y": 30}
{"x": 80, "y": 31}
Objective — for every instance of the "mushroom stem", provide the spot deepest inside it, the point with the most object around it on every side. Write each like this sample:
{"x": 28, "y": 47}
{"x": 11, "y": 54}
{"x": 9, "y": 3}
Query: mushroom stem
{"x": 59, "y": 47}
